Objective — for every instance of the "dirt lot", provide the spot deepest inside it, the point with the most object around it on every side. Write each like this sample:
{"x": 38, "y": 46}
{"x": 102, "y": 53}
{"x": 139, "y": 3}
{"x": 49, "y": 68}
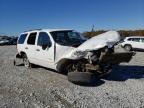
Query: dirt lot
{"x": 41, "y": 88}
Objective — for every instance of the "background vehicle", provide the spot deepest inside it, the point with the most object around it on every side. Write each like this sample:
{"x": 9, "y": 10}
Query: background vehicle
{"x": 4, "y": 42}
{"x": 133, "y": 43}
{"x": 68, "y": 52}
{"x": 13, "y": 40}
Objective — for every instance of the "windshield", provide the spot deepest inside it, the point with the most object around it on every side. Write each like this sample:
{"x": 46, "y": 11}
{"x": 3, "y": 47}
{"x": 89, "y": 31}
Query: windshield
{"x": 68, "y": 38}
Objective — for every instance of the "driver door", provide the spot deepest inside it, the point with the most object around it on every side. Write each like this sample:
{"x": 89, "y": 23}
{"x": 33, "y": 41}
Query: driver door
{"x": 45, "y": 50}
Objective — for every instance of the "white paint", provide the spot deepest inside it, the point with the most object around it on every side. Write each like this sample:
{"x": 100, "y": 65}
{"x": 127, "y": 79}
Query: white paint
{"x": 46, "y": 57}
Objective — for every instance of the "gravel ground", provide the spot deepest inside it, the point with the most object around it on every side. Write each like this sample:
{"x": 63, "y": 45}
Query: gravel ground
{"x": 41, "y": 88}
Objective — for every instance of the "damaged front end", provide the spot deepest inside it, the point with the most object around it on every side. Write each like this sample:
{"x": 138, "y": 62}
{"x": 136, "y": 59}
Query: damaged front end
{"x": 99, "y": 62}
{"x": 97, "y": 55}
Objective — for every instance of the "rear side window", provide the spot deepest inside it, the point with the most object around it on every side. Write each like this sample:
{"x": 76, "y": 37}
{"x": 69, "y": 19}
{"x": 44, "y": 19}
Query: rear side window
{"x": 31, "y": 39}
{"x": 22, "y": 38}
{"x": 136, "y": 39}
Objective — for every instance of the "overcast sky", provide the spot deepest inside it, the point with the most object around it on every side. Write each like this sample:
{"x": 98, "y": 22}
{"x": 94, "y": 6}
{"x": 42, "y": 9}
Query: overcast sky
{"x": 17, "y": 16}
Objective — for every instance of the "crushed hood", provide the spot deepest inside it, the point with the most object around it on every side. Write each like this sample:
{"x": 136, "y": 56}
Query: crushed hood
{"x": 95, "y": 43}
{"x": 106, "y": 39}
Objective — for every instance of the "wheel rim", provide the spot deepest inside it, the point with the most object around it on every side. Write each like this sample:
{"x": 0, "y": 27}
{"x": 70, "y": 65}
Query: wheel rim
{"x": 26, "y": 62}
{"x": 127, "y": 48}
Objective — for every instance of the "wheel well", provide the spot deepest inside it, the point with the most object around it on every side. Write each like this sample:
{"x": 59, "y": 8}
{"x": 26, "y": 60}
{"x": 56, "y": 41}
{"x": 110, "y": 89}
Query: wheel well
{"x": 127, "y": 45}
{"x": 61, "y": 63}
{"x": 22, "y": 53}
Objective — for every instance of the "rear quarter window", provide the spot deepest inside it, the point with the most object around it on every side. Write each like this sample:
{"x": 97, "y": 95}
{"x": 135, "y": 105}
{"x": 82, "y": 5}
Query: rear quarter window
{"x": 22, "y": 38}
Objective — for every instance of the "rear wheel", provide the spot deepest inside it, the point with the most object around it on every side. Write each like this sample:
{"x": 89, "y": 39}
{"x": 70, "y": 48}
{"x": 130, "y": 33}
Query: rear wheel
{"x": 26, "y": 62}
{"x": 128, "y": 47}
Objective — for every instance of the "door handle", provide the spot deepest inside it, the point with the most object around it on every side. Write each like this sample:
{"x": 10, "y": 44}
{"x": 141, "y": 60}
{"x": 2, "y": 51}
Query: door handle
{"x": 37, "y": 50}
{"x": 26, "y": 47}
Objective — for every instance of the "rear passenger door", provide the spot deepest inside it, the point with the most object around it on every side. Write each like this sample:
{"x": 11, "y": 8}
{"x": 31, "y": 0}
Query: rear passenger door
{"x": 45, "y": 50}
{"x": 30, "y": 47}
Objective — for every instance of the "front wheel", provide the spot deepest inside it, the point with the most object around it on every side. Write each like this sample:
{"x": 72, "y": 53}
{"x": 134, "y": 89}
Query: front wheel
{"x": 26, "y": 62}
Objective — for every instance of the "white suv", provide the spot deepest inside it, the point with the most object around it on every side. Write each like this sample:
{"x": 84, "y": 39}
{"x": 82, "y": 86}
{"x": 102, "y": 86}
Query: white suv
{"x": 133, "y": 43}
{"x": 68, "y": 51}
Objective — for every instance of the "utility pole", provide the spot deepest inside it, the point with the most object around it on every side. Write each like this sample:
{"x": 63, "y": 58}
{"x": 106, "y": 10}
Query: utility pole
{"x": 92, "y": 30}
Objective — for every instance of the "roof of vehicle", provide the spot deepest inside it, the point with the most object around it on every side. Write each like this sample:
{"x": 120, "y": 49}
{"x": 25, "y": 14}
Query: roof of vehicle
{"x": 135, "y": 37}
{"x": 46, "y": 30}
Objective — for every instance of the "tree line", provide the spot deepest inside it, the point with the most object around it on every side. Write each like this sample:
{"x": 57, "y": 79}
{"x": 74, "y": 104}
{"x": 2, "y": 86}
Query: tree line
{"x": 123, "y": 33}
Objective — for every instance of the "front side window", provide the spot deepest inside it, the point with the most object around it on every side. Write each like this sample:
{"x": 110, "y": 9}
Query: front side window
{"x": 43, "y": 39}
{"x": 22, "y": 38}
{"x": 31, "y": 39}
{"x": 129, "y": 39}
{"x": 67, "y": 38}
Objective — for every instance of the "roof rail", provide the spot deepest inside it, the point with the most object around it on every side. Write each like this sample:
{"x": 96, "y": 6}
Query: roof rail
{"x": 32, "y": 30}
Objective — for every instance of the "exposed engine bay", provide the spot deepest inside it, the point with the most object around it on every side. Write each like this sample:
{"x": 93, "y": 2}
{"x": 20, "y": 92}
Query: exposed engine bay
{"x": 99, "y": 62}
{"x": 96, "y": 55}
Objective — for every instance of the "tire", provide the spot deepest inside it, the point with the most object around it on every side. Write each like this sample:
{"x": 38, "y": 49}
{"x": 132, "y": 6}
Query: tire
{"x": 26, "y": 62}
{"x": 128, "y": 47}
{"x": 80, "y": 77}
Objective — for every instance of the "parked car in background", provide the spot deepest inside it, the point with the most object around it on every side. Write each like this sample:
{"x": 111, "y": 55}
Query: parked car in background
{"x": 4, "y": 42}
{"x": 133, "y": 43}
{"x": 13, "y": 40}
